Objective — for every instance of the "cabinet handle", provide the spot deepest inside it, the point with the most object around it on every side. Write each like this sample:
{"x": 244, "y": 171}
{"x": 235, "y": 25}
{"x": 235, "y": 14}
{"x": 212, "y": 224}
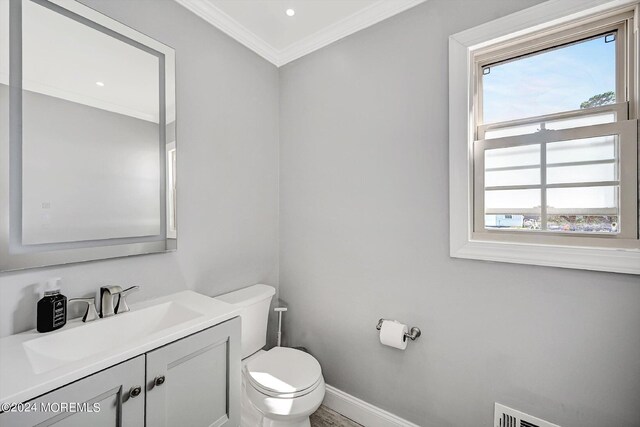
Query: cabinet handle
{"x": 135, "y": 391}
{"x": 159, "y": 380}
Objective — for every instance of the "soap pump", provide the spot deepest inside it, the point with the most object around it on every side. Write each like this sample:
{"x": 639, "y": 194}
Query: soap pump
{"x": 52, "y": 308}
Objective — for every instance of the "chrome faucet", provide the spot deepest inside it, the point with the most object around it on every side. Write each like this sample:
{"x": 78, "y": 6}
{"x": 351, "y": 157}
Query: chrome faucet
{"x": 107, "y": 296}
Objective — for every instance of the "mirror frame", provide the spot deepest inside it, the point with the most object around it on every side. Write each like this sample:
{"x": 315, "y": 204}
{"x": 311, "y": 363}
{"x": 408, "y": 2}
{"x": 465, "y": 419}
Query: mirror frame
{"x": 13, "y": 254}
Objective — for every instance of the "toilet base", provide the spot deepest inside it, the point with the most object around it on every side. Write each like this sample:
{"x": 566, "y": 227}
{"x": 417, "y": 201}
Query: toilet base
{"x": 274, "y": 423}
{"x": 263, "y": 411}
{"x": 252, "y": 417}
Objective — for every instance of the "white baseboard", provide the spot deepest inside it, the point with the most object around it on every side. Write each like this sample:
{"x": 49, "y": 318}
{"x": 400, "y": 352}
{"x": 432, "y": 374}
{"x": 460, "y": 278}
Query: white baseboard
{"x": 360, "y": 411}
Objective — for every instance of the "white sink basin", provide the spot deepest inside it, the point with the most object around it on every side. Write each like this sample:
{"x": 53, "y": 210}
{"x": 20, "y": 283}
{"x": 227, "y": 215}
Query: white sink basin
{"x": 52, "y": 351}
{"x": 32, "y": 364}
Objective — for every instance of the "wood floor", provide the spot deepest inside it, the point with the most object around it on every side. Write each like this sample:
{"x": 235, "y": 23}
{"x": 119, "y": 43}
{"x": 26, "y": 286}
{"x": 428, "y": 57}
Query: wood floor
{"x": 325, "y": 417}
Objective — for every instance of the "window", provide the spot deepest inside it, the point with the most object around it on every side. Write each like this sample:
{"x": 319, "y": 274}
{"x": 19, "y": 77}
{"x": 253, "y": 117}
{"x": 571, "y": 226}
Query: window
{"x": 552, "y": 140}
{"x": 555, "y": 149}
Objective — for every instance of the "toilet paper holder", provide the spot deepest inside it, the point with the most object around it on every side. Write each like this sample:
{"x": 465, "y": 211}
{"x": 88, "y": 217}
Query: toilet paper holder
{"x": 414, "y": 332}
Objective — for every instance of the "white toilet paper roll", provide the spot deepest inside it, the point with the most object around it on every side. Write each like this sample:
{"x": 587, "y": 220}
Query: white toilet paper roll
{"x": 392, "y": 334}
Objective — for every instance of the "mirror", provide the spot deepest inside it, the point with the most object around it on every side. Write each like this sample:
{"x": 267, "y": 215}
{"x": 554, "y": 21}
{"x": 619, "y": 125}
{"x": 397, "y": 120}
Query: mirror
{"x": 87, "y": 142}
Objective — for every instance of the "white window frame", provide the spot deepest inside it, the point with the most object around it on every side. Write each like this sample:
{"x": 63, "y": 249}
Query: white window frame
{"x": 462, "y": 128}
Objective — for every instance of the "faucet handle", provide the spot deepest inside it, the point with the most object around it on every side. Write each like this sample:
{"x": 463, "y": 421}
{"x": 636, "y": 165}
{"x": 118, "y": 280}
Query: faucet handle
{"x": 91, "y": 314}
{"x": 122, "y": 306}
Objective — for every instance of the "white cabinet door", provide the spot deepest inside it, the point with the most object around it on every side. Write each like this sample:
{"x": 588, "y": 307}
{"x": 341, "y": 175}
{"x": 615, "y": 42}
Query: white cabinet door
{"x": 196, "y": 381}
{"x": 99, "y": 400}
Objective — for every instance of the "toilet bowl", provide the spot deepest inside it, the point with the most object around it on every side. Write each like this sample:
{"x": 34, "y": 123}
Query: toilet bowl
{"x": 281, "y": 387}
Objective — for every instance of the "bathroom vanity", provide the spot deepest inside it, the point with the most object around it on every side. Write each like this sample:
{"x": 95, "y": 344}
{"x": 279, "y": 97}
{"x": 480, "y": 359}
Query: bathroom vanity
{"x": 170, "y": 361}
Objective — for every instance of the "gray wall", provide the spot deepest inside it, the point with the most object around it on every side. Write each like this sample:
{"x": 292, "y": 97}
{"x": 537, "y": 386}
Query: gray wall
{"x": 227, "y": 100}
{"x": 364, "y": 234}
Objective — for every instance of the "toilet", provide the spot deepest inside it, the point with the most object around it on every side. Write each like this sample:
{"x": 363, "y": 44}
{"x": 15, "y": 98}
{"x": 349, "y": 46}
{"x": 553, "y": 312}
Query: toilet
{"x": 280, "y": 387}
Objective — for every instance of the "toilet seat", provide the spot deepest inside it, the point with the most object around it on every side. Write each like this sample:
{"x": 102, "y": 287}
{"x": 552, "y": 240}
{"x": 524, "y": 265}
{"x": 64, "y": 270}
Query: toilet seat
{"x": 284, "y": 373}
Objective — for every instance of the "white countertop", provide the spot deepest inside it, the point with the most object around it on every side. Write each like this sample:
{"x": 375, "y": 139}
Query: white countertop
{"x": 24, "y": 376}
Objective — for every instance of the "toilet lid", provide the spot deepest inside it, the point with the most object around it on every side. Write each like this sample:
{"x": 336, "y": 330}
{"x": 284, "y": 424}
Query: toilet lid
{"x": 283, "y": 370}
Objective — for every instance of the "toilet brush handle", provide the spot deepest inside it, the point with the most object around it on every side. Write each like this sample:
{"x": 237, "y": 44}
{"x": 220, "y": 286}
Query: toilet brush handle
{"x": 280, "y": 310}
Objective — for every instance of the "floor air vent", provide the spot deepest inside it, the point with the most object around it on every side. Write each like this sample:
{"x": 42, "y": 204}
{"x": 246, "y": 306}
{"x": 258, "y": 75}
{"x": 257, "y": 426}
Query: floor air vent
{"x": 507, "y": 417}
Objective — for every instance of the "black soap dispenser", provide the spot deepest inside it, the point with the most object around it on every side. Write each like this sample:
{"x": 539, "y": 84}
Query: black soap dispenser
{"x": 52, "y": 308}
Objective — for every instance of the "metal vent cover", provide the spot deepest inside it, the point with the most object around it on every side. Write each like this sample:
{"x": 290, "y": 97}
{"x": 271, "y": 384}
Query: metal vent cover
{"x": 508, "y": 417}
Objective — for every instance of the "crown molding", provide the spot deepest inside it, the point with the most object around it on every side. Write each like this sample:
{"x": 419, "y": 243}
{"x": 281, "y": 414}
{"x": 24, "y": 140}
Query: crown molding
{"x": 362, "y": 19}
{"x": 80, "y": 98}
{"x": 232, "y": 28}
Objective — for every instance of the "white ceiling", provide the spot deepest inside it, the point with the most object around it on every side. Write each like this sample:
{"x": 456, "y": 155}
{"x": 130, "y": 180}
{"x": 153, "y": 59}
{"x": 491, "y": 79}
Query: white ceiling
{"x": 263, "y": 26}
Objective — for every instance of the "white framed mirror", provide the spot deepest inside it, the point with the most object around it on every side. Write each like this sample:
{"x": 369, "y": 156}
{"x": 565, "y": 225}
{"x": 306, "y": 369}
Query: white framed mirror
{"x": 87, "y": 137}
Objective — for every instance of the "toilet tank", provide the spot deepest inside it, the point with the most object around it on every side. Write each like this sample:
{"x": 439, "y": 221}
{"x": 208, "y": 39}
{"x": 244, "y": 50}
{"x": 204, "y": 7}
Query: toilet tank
{"x": 254, "y": 303}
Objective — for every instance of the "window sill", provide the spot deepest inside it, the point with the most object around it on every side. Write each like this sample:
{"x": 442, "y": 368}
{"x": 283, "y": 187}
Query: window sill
{"x": 597, "y": 259}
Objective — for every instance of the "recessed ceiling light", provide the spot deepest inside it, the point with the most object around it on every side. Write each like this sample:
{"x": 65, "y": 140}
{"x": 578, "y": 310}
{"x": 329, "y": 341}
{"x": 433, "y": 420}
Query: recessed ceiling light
{"x": 100, "y": 84}
{"x": 290, "y": 12}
